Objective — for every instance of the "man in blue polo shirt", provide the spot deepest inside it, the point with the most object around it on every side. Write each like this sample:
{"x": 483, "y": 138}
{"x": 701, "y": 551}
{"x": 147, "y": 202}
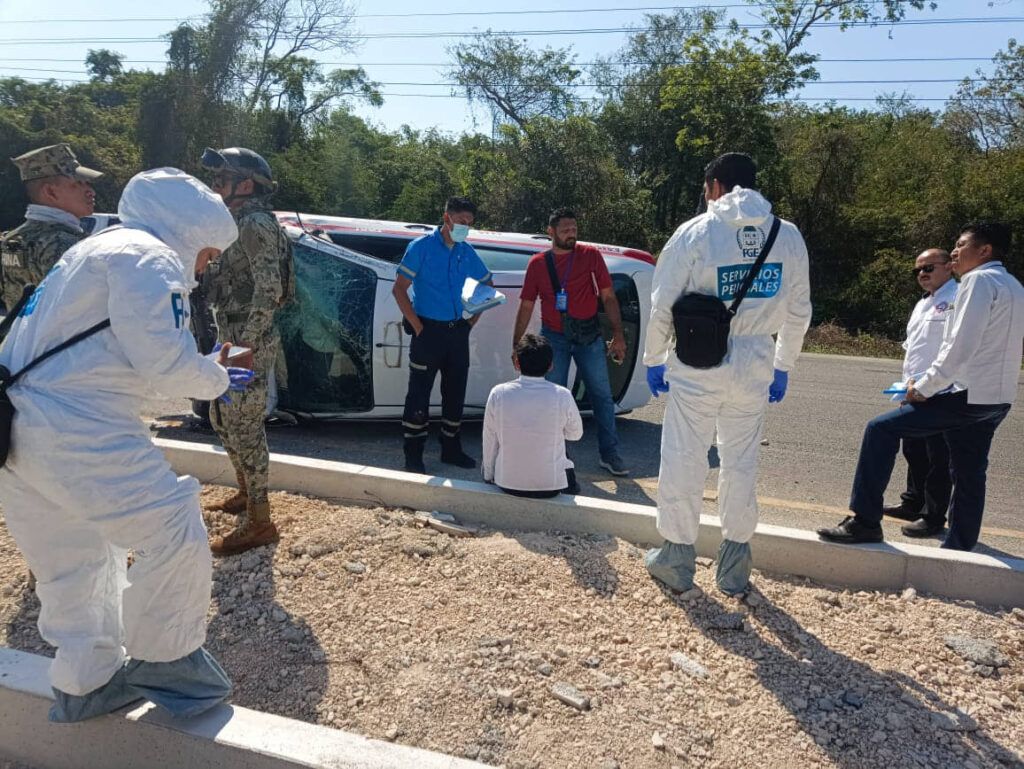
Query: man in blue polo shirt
{"x": 436, "y": 266}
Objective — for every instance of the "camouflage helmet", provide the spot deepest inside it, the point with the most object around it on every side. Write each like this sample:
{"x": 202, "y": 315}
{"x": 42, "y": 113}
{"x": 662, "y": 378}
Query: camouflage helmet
{"x": 242, "y": 162}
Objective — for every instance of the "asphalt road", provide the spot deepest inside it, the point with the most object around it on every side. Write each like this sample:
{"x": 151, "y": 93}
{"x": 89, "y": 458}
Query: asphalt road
{"x": 806, "y": 468}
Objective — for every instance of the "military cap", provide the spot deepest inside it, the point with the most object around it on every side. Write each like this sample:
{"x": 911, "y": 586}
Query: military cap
{"x": 55, "y": 160}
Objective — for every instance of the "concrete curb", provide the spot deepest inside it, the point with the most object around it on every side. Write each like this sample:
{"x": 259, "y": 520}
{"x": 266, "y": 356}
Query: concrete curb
{"x": 226, "y": 737}
{"x": 887, "y": 566}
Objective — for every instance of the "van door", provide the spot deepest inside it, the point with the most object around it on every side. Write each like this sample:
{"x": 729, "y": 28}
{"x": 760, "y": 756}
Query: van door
{"x": 390, "y": 354}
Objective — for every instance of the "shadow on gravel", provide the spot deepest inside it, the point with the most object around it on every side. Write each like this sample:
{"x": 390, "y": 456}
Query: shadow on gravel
{"x": 859, "y": 716}
{"x": 585, "y": 554}
{"x": 272, "y": 657}
{"x": 276, "y": 663}
{"x": 22, "y": 628}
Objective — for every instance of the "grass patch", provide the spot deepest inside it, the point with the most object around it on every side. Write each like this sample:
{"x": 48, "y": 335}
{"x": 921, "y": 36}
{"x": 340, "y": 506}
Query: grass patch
{"x": 836, "y": 340}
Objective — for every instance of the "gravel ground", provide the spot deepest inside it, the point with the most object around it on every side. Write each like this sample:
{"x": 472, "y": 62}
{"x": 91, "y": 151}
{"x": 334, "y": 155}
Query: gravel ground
{"x": 553, "y": 650}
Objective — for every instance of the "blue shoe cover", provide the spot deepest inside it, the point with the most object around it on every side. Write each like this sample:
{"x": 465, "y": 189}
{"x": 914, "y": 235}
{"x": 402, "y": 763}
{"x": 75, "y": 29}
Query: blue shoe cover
{"x": 113, "y": 695}
{"x": 185, "y": 687}
{"x": 734, "y": 564}
{"x": 673, "y": 564}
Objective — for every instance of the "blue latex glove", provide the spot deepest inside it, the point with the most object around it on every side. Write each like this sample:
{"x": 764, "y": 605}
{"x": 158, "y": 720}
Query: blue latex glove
{"x": 238, "y": 380}
{"x": 777, "y": 389}
{"x": 213, "y": 354}
{"x": 656, "y": 380}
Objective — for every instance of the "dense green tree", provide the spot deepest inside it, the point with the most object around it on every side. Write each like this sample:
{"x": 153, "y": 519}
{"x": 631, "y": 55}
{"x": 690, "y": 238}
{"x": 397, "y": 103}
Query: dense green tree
{"x": 104, "y": 65}
{"x": 550, "y": 163}
{"x": 643, "y": 135}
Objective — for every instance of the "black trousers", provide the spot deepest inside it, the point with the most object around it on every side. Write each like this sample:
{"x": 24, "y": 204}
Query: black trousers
{"x": 204, "y": 329}
{"x": 441, "y": 347}
{"x": 929, "y": 483}
{"x": 570, "y": 479}
{"x": 968, "y": 430}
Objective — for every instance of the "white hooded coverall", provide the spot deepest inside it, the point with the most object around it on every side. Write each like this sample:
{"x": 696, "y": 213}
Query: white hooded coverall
{"x": 711, "y": 254}
{"x": 84, "y": 482}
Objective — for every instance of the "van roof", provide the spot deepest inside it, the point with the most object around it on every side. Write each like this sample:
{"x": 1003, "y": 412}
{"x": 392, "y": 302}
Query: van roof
{"x": 412, "y": 230}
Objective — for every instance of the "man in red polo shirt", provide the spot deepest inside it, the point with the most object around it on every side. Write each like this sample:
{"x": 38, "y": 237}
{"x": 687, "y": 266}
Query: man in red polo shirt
{"x": 569, "y": 279}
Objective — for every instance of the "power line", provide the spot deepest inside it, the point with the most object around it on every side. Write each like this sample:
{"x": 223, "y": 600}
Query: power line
{"x": 454, "y": 84}
{"x": 426, "y": 14}
{"x": 895, "y": 60}
{"x": 421, "y": 14}
{"x": 509, "y": 33}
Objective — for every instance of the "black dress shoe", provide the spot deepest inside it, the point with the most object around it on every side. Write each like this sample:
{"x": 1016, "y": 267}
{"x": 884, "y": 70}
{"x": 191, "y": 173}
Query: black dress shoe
{"x": 850, "y": 531}
{"x": 901, "y": 512}
{"x": 922, "y": 527}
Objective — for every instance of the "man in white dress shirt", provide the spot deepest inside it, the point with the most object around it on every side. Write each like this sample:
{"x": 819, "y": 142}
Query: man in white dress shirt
{"x": 965, "y": 393}
{"x": 526, "y": 425}
{"x": 928, "y": 481}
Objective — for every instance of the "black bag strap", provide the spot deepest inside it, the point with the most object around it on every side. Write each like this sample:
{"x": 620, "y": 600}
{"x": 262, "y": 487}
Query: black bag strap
{"x": 54, "y": 350}
{"x": 756, "y": 268}
{"x": 12, "y": 314}
{"x": 549, "y": 259}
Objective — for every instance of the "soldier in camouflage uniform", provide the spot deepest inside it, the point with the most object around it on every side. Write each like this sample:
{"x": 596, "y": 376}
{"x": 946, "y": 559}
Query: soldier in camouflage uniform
{"x": 60, "y": 193}
{"x": 246, "y": 286}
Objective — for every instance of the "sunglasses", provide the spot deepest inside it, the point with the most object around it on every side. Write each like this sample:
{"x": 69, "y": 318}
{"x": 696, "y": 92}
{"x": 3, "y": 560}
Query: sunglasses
{"x": 928, "y": 269}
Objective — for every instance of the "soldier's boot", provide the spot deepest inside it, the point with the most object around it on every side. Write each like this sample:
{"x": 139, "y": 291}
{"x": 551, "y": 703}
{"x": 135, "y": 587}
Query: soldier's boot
{"x": 237, "y": 503}
{"x": 452, "y": 453}
{"x": 257, "y": 531}
{"x": 414, "y": 455}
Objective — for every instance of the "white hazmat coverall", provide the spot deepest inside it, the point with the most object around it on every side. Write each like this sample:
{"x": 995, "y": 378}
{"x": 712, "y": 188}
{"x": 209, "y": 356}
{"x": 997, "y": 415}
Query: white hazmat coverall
{"x": 84, "y": 482}
{"x": 711, "y": 254}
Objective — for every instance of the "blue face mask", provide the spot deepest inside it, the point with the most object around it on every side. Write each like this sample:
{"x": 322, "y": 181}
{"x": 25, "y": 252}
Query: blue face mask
{"x": 459, "y": 232}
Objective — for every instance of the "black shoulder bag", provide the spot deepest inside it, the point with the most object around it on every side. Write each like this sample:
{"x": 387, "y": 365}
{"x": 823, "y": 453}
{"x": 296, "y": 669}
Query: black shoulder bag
{"x": 702, "y": 321}
{"x": 576, "y": 331}
{"x": 7, "y": 378}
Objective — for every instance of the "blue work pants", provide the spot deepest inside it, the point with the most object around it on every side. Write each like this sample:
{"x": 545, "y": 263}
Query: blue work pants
{"x": 592, "y": 365}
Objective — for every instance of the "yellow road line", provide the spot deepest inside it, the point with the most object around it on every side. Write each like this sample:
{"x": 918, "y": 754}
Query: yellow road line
{"x": 809, "y": 507}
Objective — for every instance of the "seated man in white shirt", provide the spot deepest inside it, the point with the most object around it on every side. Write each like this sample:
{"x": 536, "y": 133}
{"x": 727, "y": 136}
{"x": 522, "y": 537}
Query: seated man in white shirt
{"x": 526, "y": 425}
{"x": 965, "y": 393}
{"x": 929, "y": 485}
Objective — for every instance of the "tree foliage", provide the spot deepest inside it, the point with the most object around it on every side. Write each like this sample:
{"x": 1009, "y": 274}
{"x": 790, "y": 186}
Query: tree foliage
{"x": 515, "y": 82}
{"x": 104, "y": 65}
{"x": 790, "y": 22}
{"x": 989, "y": 109}
{"x": 868, "y": 188}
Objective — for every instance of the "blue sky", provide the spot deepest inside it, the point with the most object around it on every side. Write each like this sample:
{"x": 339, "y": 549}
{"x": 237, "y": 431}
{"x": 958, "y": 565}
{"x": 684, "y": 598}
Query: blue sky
{"x": 416, "y": 60}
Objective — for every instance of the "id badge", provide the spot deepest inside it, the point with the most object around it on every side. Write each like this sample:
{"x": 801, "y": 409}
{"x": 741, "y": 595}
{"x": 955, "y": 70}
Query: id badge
{"x": 562, "y": 301}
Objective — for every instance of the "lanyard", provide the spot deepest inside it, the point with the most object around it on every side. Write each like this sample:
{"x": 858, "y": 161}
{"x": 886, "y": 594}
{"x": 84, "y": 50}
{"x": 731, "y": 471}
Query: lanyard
{"x": 455, "y": 298}
{"x": 451, "y": 297}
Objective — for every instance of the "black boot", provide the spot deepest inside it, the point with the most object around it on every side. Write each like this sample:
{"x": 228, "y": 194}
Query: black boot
{"x": 572, "y": 486}
{"x": 452, "y": 453}
{"x": 901, "y": 511}
{"x": 923, "y": 527}
{"x": 414, "y": 455}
